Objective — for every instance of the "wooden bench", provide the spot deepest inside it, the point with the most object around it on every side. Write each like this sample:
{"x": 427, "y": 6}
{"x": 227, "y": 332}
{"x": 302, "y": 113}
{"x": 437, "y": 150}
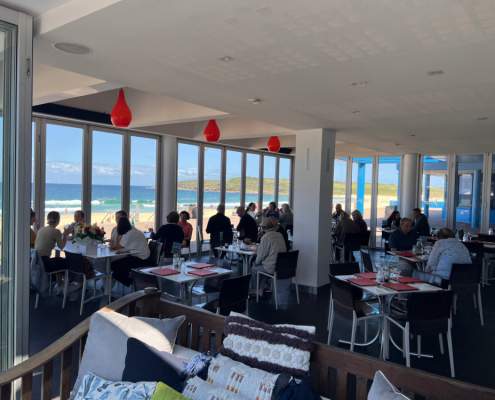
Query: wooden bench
{"x": 337, "y": 374}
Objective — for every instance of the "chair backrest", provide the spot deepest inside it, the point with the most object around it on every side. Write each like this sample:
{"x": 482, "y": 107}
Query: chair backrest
{"x": 465, "y": 275}
{"x": 428, "y": 313}
{"x": 286, "y": 266}
{"x": 365, "y": 238}
{"x": 142, "y": 280}
{"x": 233, "y": 295}
{"x": 344, "y": 268}
{"x": 155, "y": 252}
{"x": 476, "y": 250}
{"x": 344, "y": 296}
{"x": 367, "y": 262}
{"x": 74, "y": 262}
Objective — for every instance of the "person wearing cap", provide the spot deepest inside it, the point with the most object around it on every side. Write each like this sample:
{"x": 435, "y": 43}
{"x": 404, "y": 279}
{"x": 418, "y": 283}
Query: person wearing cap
{"x": 271, "y": 243}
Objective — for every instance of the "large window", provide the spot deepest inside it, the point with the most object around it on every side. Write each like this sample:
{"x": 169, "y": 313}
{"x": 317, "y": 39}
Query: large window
{"x": 212, "y": 183}
{"x": 284, "y": 180}
{"x": 63, "y": 182}
{"x": 434, "y": 189}
{"x": 252, "y": 178}
{"x": 233, "y": 176}
{"x": 362, "y": 173}
{"x": 143, "y": 182}
{"x": 187, "y": 182}
{"x": 469, "y": 180}
{"x": 106, "y": 187}
{"x": 388, "y": 190}
{"x": 269, "y": 164}
{"x": 339, "y": 181}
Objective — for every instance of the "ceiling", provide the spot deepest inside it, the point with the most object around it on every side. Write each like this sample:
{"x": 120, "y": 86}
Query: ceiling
{"x": 360, "y": 67}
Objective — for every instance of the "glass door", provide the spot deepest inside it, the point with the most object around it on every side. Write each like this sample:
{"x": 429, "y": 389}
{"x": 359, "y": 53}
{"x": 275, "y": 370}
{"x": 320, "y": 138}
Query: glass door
{"x": 15, "y": 183}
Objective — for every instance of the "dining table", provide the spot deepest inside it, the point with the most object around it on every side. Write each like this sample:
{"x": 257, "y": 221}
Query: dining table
{"x": 185, "y": 276}
{"x": 245, "y": 252}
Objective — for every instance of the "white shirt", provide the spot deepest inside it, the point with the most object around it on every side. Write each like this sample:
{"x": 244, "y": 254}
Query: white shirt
{"x": 135, "y": 241}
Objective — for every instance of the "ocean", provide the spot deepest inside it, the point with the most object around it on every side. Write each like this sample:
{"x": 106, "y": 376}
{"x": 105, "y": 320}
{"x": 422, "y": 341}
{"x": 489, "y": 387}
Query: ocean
{"x": 106, "y": 198}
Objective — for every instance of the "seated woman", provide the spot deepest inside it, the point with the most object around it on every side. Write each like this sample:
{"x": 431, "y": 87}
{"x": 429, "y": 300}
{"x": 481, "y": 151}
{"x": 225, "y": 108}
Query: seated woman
{"x": 47, "y": 238}
{"x": 446, "y": 251}
{"x": 286, "y": 217}
{"x": 187, "y": 228}
{"x": 393, "y": 221}
{"x": 132, "y": 240}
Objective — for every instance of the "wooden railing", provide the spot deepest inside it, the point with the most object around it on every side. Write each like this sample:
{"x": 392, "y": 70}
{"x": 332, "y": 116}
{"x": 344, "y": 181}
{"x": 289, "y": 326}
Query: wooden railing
{"x": 336, "y": 373}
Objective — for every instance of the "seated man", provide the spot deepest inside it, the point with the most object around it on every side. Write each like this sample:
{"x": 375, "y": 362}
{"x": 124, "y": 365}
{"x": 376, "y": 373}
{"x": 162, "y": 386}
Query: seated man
{"x": 247, "y": 228}
{"x": 220, "y": 229}
{"x": 404, "y": 238}
{"x": 169, "y": 234}
{"x": 79, "y": 222}
{"x": 446, "y": 251}
{"x": 47, "y": 239}
{"x": 271, "y": 243}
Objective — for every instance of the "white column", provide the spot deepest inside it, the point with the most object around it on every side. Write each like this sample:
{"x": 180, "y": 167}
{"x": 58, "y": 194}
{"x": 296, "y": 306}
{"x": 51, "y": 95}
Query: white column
{"x": 410, "y": 184}
{"x": 168, "y": 177}
{"x": 313, "y": 189}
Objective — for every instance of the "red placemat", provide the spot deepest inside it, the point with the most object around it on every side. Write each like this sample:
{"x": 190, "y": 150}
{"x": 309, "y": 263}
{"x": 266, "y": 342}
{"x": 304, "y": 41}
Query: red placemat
{"x": 366, "y": 275}
{"x": 408, "y": 279}
{"x": 405, "y": 253}
{"x": 362, "y": 281}
{"x": 202, "y": 272}
{"x": 201, "y": 265}
{"x": 164, "y": 271}
{"x": 399, "y": 287}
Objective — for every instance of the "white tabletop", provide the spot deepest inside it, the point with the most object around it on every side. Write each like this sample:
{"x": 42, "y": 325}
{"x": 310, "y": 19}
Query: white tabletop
{"x": 246, "y": 251}
{"x": 379, "y": 290}
{"x": 185, "y": 277}
{"x": 414, "y": 259}
{"x": 105, "y": 251}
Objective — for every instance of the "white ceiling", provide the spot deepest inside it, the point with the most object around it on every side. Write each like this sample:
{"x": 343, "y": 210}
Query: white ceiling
{"x": 301, "y": 58}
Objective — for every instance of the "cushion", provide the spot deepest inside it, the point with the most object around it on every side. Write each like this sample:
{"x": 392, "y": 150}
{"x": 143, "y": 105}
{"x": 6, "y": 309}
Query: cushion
{"x": 198, "y": 389}
{"x": 164, "y": 392}
{"x": 106, "y": 346}
{"x": 274, "y": 348}
{"x": 96, "y": 388}
{"x": 382, "y": 389}
{"x": 184, "y": 353}
{"x": 142, "y": 364}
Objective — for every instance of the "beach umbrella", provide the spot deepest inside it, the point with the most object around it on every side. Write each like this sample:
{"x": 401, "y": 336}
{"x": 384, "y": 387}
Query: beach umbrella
{"x": 273, "y": 144}
{"x": 212, "y": 131}
{"x": 121, "y": 114}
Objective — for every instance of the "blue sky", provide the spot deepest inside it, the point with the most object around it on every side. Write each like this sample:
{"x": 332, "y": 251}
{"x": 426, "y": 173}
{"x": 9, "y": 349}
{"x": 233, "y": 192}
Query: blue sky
{"x": 64, "y": 157}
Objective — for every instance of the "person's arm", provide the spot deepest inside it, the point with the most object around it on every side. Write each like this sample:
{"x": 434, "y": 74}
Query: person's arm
{"x": 62, "y": 238}
{"x": 119, "y": 244}
{"x": 261, "y": 251}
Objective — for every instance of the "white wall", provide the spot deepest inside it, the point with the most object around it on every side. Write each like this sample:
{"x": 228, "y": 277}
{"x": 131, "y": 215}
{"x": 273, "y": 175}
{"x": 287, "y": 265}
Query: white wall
{"x": 409, "y": 184}
{"x": 313, "y": 188}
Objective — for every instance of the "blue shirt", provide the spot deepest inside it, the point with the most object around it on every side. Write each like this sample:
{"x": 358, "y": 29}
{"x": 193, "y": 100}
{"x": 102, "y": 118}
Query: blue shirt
{"x": 403, "y": 241}
{"x": 446, "y": 252}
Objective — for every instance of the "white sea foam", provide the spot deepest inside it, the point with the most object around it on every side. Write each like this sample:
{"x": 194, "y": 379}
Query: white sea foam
{"x": 63, "y": 203}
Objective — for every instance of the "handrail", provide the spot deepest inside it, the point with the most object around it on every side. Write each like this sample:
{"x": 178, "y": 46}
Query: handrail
{"x": 56, "y": 348}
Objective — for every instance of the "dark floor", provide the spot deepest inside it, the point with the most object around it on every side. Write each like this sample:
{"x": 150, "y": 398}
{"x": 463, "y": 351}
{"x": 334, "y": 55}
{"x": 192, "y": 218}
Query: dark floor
{"x": 474, "y": 346}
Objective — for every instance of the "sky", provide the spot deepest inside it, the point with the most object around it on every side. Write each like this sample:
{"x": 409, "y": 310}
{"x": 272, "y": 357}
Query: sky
{"x": 64, "y": 146}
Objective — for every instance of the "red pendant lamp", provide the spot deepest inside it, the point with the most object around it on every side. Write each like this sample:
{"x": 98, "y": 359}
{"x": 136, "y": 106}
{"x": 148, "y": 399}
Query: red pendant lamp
{"x": 273, "y": 144}
{"x": 212, "y": 131}
{"x": 121, "y": 114}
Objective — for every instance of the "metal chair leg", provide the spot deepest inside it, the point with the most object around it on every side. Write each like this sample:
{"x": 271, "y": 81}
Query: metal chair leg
{"x": 330, "y": 323}
{"x": 418, "y": 339}
{"x": 407, "y": 346}
{"x": 353, "y": 330}
{"x": 297, "y": 291}
{"x": 83, "y": 295}
{"x": 440, "y": 341}
{"x": 36, "y": 301}
{"x": 451, "y": 352}
{"x": 480, "y": 306}
{"x": 474, "y": 301}
{"x": 66, "y": 287}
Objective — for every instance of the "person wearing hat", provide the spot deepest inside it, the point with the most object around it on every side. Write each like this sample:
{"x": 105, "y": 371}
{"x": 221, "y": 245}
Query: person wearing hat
{"x": 271, "y": 243}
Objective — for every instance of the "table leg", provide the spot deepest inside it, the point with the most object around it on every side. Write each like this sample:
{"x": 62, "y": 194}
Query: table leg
{"x": 108, "y": 280}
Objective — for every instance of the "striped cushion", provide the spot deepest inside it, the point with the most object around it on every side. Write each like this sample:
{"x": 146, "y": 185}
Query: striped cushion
{"x": 273, "y": 348}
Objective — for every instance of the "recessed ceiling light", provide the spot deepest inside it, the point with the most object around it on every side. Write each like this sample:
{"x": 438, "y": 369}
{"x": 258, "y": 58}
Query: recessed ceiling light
{"x": 397, "y": 144}
{"x": 72, "y": 48}
{"x": 436, "y": 72}
{"x": 482, "y": 118}
{"x": 412, "y": 135}
{"x": 359, "y": 83}
{"x": 226, "y": 59}
{"x": 356, "y": 111}
{"x": 255, "y": 101}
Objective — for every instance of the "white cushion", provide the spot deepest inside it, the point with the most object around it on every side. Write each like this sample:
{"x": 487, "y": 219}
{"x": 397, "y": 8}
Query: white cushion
{"x": 106, "y": 346}
{"x": 382, "y": 389}
{"x": 184, "y": 353}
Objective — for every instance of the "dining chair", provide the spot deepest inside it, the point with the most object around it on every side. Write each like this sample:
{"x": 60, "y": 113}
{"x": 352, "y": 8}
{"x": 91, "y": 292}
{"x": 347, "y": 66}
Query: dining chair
{"x": 367, "y": 262}
{"x": 155, "y": 253}
{"x": 476, "y": 249}
{"x": 423, "y": 314}
{"x": 76, "y": 267}
{"x": 347, "y": 302}
{"x": 142, "y": 280}
{"x": 233, "y": 296}
{"x": 285, "y": 268}
{"x": 465, "y": 279}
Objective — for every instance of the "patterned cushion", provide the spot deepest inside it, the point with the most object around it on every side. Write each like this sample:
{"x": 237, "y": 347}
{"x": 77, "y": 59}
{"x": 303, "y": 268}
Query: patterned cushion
{"x": 273, "y": 348}
{"x": 198, "y": 389}
{"x": 382, "y": 389}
